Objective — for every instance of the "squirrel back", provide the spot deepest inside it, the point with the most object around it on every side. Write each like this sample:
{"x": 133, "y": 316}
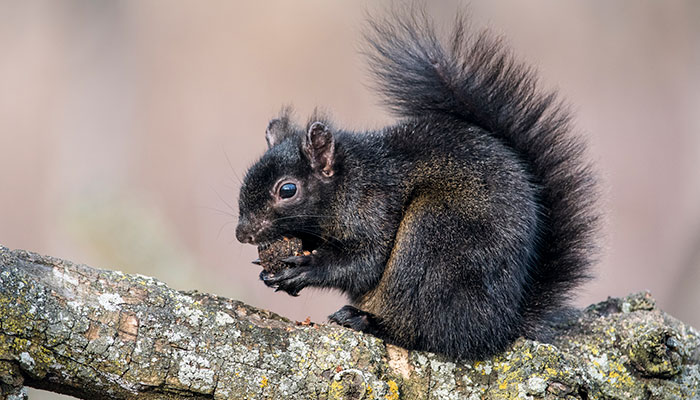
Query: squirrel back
{"x": 458, "y": 229}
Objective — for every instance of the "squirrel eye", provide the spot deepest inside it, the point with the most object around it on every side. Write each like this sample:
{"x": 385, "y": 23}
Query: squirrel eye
{"x": 288, "y": 190}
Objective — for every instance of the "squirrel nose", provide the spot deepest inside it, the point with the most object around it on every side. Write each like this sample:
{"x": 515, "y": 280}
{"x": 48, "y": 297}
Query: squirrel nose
{"x": 244, "y": 233}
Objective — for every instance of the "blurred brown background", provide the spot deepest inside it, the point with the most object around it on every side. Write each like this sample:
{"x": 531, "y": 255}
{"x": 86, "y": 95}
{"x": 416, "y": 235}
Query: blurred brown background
{"x": 118, "y": 120}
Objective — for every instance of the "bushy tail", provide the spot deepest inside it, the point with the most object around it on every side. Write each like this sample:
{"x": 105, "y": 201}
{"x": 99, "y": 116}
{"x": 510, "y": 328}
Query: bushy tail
{"x": 476, "y": 79}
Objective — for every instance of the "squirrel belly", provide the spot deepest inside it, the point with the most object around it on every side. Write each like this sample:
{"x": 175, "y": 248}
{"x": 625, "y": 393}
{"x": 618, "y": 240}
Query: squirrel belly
{"x": 463, "y": 226}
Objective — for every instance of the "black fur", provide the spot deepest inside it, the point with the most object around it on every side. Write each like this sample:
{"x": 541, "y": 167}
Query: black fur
{"x": 457, "y": 230}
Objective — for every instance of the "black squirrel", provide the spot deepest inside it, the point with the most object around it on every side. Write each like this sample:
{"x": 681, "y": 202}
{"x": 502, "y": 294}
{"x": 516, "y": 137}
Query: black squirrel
{"x": 457, "y": 230}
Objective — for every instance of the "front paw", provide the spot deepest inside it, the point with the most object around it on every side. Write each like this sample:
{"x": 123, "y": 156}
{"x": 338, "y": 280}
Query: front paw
{"x": 290, "y": 280}
{"x": 351, "y": 317}
{"x": 299, "y": 261}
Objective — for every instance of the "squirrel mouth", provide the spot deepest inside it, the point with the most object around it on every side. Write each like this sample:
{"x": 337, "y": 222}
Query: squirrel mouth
{"x": 308, "y": 242}
{"x": 272, "y": 255}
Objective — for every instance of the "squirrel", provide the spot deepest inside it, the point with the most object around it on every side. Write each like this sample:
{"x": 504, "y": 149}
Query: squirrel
{"x": 458, "y": 229}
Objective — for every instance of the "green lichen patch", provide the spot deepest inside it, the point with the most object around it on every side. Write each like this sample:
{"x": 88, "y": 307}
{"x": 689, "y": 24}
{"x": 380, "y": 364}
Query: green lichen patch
{"x": 654, "y": 353}
{"x": 111, "y": 335}
{"x": 33, "y": 358}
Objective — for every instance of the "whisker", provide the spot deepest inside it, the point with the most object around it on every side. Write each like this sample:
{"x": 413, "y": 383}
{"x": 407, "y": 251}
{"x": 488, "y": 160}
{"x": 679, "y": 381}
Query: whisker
{"x": 224, "y": 226}
{"x": 240, "y": 181}
{"x": 224, "y": 201}
{"x": 335, "y": 242}
{"x": 306, "y": 215}
{"x": 219, "y": 211}
{"x": 301, "y": 216}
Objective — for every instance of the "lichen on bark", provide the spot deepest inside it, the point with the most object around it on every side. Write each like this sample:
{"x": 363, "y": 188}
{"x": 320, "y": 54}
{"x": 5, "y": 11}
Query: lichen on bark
{"x": 104, "y": 334}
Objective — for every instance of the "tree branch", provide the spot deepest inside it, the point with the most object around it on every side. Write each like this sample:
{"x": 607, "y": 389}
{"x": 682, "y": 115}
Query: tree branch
{"x": 104, "y": 334}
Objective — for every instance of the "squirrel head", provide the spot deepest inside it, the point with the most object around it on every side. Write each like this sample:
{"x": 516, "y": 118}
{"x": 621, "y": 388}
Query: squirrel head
{"x": 286, "y": 192}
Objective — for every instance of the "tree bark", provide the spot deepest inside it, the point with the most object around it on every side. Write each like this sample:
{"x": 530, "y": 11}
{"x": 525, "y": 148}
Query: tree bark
{"x": 97, "y": 334}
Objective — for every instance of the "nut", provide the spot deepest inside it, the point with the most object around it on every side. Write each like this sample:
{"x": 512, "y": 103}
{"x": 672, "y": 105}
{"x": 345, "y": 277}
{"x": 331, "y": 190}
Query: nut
{"x": 272, "y": 253}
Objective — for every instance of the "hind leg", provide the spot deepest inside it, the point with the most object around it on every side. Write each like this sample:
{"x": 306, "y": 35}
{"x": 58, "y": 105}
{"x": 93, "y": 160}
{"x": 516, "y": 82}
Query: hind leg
{"x": 449, "y": 286}
{"x": 354, "y": 318}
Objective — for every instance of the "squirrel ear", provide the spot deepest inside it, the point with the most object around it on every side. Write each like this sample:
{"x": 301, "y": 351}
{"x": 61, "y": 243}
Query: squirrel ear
{"x": 319, "y": 148}
{"x": 277, "y": 130}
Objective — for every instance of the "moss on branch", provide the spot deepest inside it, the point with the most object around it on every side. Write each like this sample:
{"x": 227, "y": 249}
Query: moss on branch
{"x": 104, "y": 334}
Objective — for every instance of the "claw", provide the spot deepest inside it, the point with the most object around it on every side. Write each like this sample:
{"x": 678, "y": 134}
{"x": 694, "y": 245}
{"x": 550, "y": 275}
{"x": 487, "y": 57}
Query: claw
{"x": 289, "y": 280}
{"x": 297, "y": 260}
{"x": 257, "y": 261}
{"x": 294, "y": 293}
{"x": 266, "y": 277}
